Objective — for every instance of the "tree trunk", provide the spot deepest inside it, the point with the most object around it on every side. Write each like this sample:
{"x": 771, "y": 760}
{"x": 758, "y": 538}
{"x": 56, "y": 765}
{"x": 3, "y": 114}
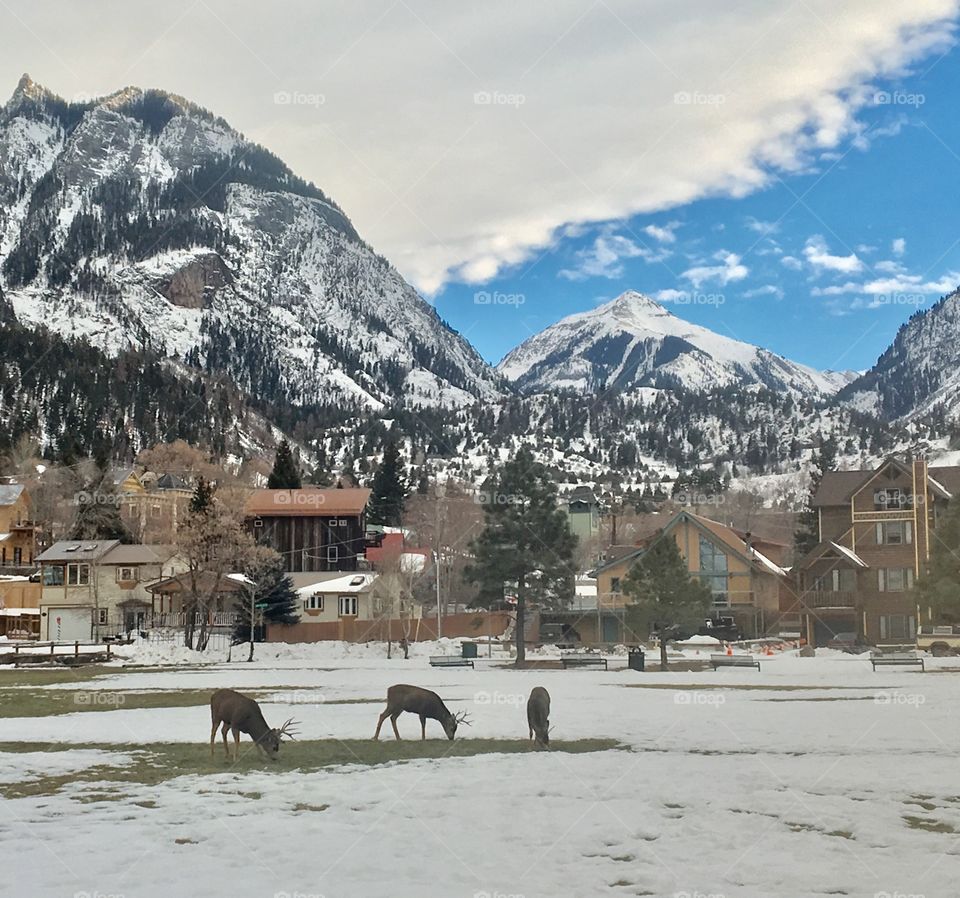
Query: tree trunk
{"x": 663, "y": 653}
{"x": 521, "y": 647}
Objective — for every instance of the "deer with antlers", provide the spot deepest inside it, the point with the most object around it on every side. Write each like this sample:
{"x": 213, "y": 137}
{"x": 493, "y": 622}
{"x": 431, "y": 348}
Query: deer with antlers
{"x": 243, "y": 715}
{"x": 423, "y": 702}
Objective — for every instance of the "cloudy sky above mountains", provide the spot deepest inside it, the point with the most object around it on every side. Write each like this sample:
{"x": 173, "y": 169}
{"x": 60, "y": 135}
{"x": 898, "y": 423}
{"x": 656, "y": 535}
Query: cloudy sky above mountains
{"x": 760, "y": 165}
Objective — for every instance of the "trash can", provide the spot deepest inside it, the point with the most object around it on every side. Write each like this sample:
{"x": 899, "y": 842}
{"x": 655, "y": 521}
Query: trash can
{"x": 635, "y": 659}
{"x": 468, "y": 649}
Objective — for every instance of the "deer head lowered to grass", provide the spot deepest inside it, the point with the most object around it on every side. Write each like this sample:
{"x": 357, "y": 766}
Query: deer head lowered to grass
{"x": 538, "y": 717}
{"x": 243, "y": 715}
{"x": 424, "y": 703}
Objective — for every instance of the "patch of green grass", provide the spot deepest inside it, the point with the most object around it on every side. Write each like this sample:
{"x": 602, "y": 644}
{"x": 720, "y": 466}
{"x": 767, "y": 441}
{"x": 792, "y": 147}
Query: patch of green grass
{"x": 55, "y": 675}
{"x": 158, "y": 762}
{"x": 23, "y": 701}
{"x": 750, "y": 687}
{"x": 48, "y": 702}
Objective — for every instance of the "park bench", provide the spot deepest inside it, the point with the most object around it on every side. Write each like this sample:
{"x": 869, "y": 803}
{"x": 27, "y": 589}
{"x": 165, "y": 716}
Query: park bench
{"x": 450, "y": 661}
{"x": 734, "y": 661}
{"x": 582, "y": 659}
{"x": 894, "y": 659}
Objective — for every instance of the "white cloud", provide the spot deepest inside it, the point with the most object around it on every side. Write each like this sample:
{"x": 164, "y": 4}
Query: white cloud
{"x": 899, "y": 246}
{"x": 899, "y": 289}
{"x": 820, "y": 257}
{"x": 447, "y": 187}
{"x": 766, "y": 290}
{"x": 603, "y": 258}
{"x": 729, "y": 270}
{"x": 791, "y": 262}
{"x": 765, "y": 228}
{"x": 663, "y": 234}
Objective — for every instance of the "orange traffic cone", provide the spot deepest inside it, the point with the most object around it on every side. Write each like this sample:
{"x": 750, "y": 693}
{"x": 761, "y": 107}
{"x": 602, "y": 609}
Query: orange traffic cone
{"x": 729, "y": 649}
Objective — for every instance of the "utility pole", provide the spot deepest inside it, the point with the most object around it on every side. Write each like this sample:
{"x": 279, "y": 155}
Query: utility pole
{"x": 436, "y": 564}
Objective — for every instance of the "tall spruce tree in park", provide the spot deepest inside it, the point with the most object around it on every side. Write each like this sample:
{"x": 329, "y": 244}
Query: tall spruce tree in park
{"x": 807, "y": 534}
{"x": 389, "y": 489}
{"x": 526, "y": 542}
{"x": 98, "y": 507}
{"x": 286, "y": 473}
{"x": 275, "y": 596}
{"x": 661, "y": 592}
{"x": 938, "y": 588}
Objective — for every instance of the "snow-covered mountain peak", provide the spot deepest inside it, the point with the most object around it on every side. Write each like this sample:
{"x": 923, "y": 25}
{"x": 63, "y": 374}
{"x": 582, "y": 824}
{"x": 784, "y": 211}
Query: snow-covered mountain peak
{"x": 141, "y": 219}
{"x": 633, "y": 341}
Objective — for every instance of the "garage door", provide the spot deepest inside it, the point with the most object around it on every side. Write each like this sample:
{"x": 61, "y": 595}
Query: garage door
{"x": 70, "y": 624}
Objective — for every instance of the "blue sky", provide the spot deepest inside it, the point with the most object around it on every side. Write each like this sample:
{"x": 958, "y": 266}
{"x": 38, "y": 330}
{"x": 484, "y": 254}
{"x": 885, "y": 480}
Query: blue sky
{"x": 821, "y": 266}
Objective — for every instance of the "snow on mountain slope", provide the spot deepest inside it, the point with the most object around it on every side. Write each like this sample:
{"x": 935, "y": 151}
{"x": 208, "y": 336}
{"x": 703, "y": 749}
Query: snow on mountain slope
{"x": 140, "y": 219}
{"x": 919, "y": 372}
{"x": 634, "y": 341}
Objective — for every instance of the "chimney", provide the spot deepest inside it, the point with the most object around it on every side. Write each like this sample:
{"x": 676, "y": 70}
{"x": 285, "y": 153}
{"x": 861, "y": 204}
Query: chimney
{"x": 920, "y": 500}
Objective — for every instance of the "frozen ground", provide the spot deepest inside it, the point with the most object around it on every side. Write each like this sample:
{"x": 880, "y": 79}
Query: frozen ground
{"x": 812, "y": 777}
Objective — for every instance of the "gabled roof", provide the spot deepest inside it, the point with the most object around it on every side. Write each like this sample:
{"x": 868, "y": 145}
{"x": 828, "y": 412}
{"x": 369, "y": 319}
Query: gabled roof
{"x": 821, "y": 549}
{"x": 207, "y": 582}
{"x": 10, "y": 492}
{"x": 103, "y": 551}
{"x": 718, "y": 533}
{"x": 307, "y": 502}
{"x": 346, "y": 582}
{"x": 838, "y": 487}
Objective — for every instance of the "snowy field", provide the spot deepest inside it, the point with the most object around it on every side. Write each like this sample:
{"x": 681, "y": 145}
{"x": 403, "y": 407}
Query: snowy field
{"x": 815, "y": 776}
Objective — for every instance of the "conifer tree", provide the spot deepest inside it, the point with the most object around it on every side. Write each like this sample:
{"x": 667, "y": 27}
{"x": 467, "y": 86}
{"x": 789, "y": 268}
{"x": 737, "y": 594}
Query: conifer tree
{"x": 807, "y": 534}
{"x": 389, "y": 489}
{"x": 526, "y": 542}
{"x": 663, "y": 593}
{"x": 286, "y": 473}
{"x": 938, "y": 588}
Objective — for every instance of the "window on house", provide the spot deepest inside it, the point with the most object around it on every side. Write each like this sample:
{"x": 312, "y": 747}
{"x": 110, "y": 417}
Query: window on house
{"x": 894, "y": 579}
{"x": 102, "y": 616}
{"x": 837, "y": 580}
{"x": 348, "y": 606}
{"x": 333, "y": 554}
{"x": 17, "y": 555}
{"x": 897, "y": 626}
{"x": 155, "y": 511}
{"x": 78, "y": 574}
{"x": 128, "y": 574}
{"x": 895, "y": 533}
{"x": 713, "y": 572}
{"x": 614, "y": 584}
{"x": 53, "y": 575}
{"x": 891, "y": 498}
{"x": 313, "y": 603}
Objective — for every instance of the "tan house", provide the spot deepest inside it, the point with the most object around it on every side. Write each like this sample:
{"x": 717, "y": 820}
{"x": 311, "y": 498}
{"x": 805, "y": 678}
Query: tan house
{"x": 18, "y": 531}
{"x": 875, "y": 528}
{"x": 354, "y": 606}
{"x": 92, "y": 589}
{"x": 743, "y": 581}
{"x": 152, "y": 506}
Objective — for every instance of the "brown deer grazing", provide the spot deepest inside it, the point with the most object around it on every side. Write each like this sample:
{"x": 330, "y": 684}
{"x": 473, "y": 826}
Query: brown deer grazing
{"x": 538, "y": 717}
{"x": 423, "y": 702}
{"x": 243, "y": 715}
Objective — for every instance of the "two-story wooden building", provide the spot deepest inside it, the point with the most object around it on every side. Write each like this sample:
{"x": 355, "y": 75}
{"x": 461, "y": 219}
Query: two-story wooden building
{"x": 743, "y": 581}
{"x": 18, "y": 531}
{"x": 313, "y": 529}
{"x": 876, "y": 528}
